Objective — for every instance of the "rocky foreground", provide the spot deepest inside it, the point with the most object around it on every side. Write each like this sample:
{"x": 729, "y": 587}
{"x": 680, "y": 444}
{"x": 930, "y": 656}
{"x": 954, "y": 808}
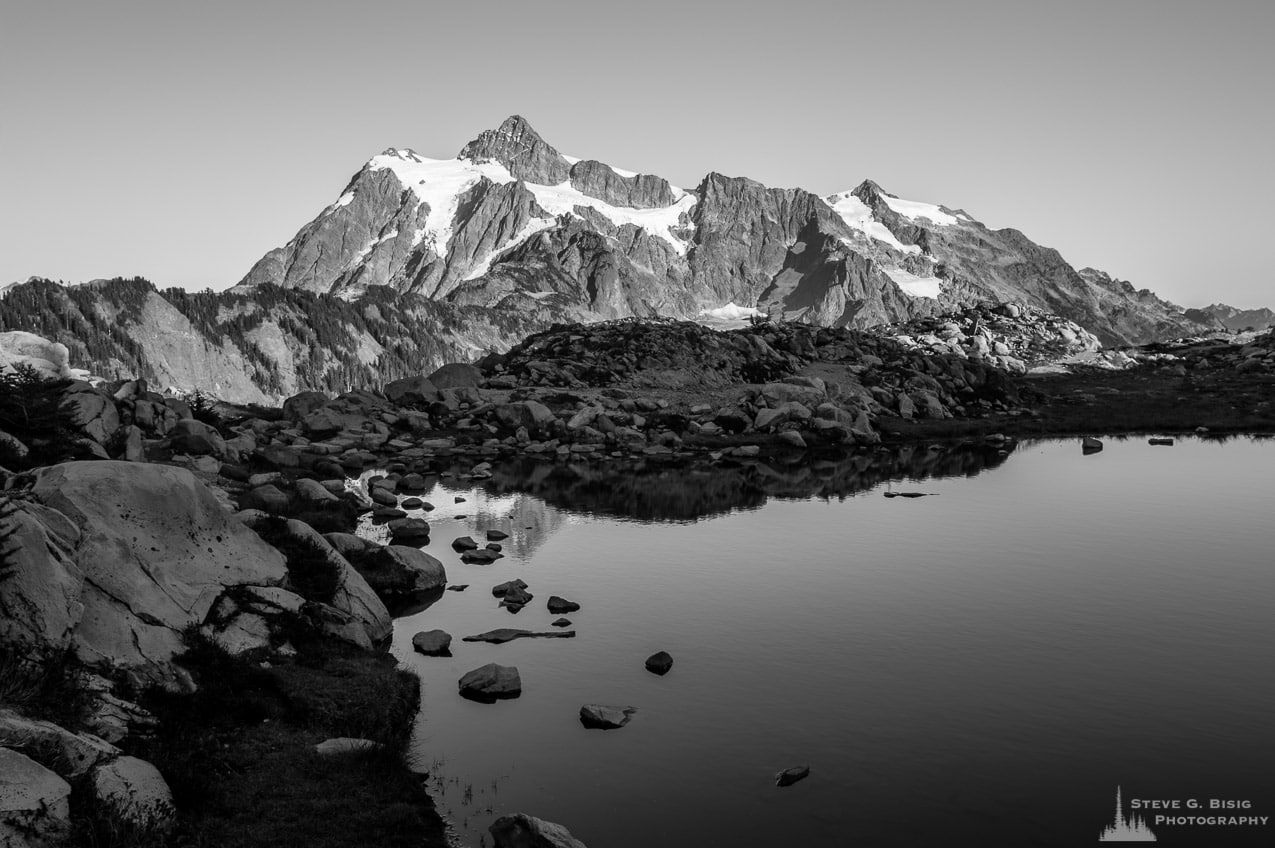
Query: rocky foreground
{"x": 176, "y": 571}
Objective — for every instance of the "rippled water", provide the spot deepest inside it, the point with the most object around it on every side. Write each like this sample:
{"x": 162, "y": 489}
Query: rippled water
{"x": 987, "y": 663}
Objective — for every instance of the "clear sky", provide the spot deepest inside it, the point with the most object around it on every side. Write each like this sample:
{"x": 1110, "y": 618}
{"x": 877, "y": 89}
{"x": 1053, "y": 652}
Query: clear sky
{"x": 182, "y": 140}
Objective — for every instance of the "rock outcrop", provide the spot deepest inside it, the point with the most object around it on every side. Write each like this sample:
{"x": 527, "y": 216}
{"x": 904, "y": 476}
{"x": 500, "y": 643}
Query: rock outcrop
{"x": 154, "y": 550}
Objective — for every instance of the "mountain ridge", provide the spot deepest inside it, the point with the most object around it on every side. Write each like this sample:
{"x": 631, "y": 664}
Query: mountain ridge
{"x": 511, "y": 211}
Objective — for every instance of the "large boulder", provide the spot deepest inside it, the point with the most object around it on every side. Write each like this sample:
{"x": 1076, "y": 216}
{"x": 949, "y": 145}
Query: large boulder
{"x": 35, "y": 804}
{"x": 41, "y": 589}
{"x": 353, "y": 597}
{"x": 527, "y": 413}
{"x": 457, "y": 375}
{"x": 197, "y": 438}
{"x": 520, "y": 830}
{"x": 50, "y": 359}
{"x": 401, "y": 572}
{"x": 93, "y": 411}
{"x": 156, "y": 550}
{"x": 135, "y": 792}
{"x": 300, "y": 405}
{"x": 412, "y": 391}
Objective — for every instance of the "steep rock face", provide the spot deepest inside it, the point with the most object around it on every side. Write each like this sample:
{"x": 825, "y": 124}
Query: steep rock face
{"x": 743, "y": 234}
{"x": 639, "y": 191}
{"x": 374, "y": 221}
{"x": 181, "y": 356}
{"x": 521, "y": 150}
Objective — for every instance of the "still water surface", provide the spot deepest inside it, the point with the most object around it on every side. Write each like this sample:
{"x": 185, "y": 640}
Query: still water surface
{"x": 984, "y": 664}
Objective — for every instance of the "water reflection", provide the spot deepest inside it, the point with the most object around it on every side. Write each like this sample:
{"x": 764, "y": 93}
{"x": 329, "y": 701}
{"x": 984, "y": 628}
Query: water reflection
{"x": 646, "y": 490}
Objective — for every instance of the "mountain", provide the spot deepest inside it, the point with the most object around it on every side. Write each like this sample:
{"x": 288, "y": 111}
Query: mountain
{"x": 1233, "y": 318}
{"x": 511, "y": 222}
{"x": 260, "y": 346}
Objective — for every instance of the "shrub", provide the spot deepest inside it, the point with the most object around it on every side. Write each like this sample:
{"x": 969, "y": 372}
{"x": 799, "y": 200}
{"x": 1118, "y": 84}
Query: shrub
{"x": 311, "y": 571}
{"x": 31, "y": 410}
{"x": 202, "y": 408}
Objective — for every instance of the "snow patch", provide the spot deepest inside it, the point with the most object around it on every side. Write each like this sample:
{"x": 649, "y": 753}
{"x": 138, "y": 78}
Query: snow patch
{"x": 563, "y": 199}
{"x": 440, "y": 184}
{"x": 858, "y": 216}
{"x": 915, "y": 209}
{"x": 731, "y": 312}
{"x": 912, "y": 285}
{"x": 343, "y": 200}
{"x": 571, "y": 160}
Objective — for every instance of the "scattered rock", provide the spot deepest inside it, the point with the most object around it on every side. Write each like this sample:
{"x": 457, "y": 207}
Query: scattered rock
{"x": 433, "y": 643}
{"x": 523, "y": 831}
{"x": 561, "y": 622}
{"x": 558, "y": 605}
{"x": 496, "y": 536}
{"x": 409, "y": 530}
{"x": 491, "y": 682}
{"x": 602, "y": 717}
{"x": 659, "y": 663}
{"x": 464, "y": 543}
{"x": 502, "y": 635}
{"x": 789, "y": 776}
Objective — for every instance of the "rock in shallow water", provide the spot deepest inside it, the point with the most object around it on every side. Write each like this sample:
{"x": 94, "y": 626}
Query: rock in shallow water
{"x": 501, "y": 635}
{"x": 491, "y": 682}
{"x": 603, "y": 717}
{"x": 659, "y": 663}
{"x": 559, "y": 605}
{"x": 789, "y": 776}
{"x": 523, "y": 831}
{"x": 433, "y": 643}
{"x": 1090, "y": 445}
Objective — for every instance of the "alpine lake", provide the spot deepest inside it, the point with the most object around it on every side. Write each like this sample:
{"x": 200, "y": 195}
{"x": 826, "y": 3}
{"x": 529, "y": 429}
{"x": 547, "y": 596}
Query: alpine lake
{"x": 983, "y": 664}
